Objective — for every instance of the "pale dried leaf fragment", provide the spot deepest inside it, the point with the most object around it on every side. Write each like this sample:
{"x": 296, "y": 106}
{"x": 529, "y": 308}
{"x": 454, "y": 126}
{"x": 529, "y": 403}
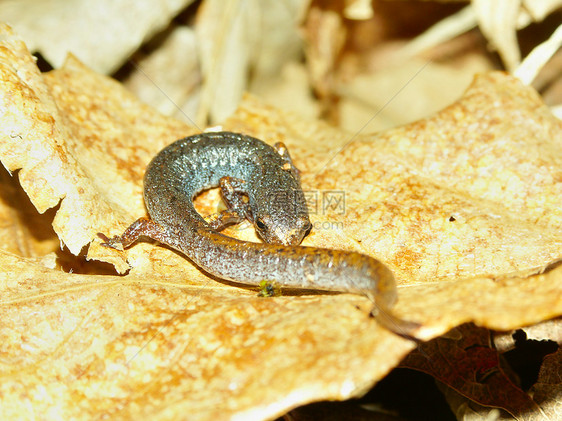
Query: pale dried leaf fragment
{"x": 541, "y": 54}
{"x": 325, "y": 34}
{"x": 400, "y": 94}
{"x": 102, "y": 34}
{"x": 239, "y": 38}
{"x": 290, "y": 91}
{"x": 444, "y": 30}
{"x": 539, "y": 9}
{"x": 169, "y": 79}
{"x": 498, "y": 21}
{"x": 358, "y": 9}
{"x": 549, "y": 330}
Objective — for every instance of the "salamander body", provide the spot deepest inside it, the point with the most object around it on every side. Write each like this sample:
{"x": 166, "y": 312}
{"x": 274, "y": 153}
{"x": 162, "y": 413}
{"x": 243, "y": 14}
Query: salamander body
{"x": 259, "y": 183}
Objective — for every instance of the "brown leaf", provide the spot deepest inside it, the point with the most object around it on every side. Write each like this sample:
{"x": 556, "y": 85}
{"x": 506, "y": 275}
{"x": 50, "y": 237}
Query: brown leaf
{"x": 472, "y": 367}
{"x": 547, "y": 391}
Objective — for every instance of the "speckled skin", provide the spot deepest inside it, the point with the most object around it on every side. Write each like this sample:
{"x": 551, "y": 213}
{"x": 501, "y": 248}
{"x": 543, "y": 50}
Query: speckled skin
{"x": 186, "y": 167}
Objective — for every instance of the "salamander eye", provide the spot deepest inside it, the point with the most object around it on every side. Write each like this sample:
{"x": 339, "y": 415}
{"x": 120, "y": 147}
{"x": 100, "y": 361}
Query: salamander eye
{"x": 260, "y": 224}
{"x": 304, "y": 224}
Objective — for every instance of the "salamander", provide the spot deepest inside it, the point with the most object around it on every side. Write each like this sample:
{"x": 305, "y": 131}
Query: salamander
{"x": 259, "y": 183}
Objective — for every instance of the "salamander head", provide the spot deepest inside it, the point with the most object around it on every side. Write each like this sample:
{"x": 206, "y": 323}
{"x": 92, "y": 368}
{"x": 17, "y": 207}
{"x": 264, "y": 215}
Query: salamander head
{"x": 288, "y": 231}
{"x": 282, "y": 217}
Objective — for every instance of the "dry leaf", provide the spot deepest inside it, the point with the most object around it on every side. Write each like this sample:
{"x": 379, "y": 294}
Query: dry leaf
{"x": 472, "y": 374}
{"x": 325, "y": 34}
{"x": 497, "y": 19}
{"x": 472, "y": 367}
{"x": 541, "y": 54}
{"x": 169, "y": 78}
{"x": 550, "y": 330}
{"x": 79, "y": 346}
{"x": 103, "y": 34}
{"x": 242, "y": 38}
{"x": 41, "y": 137}
{"x": 404, "y": 93}
{"x": 290, "y": 91}
{"x": 358, "y": 9}
{"x": 548, "y": 388}
{"x": 545, "y": 394}
{"x": 469, "y": 192}
{"x": 23, "y": 231}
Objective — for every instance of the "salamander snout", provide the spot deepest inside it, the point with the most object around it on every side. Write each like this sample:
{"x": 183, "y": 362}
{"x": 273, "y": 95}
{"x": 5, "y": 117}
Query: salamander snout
{"x": 286, "y": 232}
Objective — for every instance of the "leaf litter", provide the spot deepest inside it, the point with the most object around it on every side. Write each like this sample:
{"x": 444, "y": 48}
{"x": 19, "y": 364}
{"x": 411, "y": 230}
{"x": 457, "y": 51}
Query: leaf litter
{"x": 463, "y": 206}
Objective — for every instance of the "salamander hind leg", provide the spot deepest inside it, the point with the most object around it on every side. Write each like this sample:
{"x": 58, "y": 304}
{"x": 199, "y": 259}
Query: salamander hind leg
{"x": 142, "y": 227}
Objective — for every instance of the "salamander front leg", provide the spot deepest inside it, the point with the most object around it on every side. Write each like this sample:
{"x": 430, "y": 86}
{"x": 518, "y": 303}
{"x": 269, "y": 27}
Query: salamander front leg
{"x": 142, "y": 227}
{"x": 284, "y": 153}
{"x": 236, "y": 199}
